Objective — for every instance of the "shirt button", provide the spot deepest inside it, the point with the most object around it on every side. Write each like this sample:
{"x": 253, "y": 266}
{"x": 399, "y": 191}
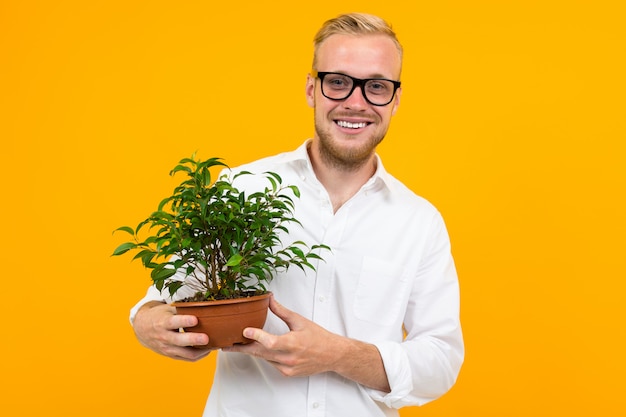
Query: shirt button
{"x": 321, "y": 298}
{"x": 316, "y": 405}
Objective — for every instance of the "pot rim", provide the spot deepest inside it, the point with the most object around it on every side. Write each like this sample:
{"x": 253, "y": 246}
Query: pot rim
{"x": 184, "y": 304}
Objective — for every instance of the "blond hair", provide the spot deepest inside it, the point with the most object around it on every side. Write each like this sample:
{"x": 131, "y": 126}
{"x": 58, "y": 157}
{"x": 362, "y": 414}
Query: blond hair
{"x": 354, "y": 24}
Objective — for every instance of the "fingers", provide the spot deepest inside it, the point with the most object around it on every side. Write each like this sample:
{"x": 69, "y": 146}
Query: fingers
{"x": 180, "y": 337}
{"x": 188, "y": 354}
{"x": 176, "y": 322}
{"x": 158, "y": 328}
{"x": 300, "y": 352}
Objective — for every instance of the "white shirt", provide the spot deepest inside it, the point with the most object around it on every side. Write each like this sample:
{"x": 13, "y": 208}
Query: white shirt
{"x": 390, "y": 269}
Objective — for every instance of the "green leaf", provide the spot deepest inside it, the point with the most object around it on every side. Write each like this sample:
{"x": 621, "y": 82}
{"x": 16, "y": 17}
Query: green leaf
{"x": 314, "y": 256}
{"x": 160, "y": 274}
{"x": 174, "y": 286}
{"x": 211, "y": 162}
{"x": 296, "y": 190}
{"x": 274, "y": 184}
{"x": 126, "y": 229}
{"x": 191, "y": 160}
{"x": 178, "y": 168}
{"x": 123, "y": 248}
{"x": 275, "y": 175}
{"x": 242, "y": 173}
{"x": 234, "y": 260}
{"x": 297, "y": 251}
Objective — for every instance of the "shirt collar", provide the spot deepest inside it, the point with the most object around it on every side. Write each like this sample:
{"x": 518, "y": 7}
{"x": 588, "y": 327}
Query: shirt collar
{"x": 381, "y": 176}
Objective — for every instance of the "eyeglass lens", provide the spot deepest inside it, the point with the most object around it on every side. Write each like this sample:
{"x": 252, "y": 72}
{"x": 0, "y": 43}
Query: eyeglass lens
{"x": 340, "y": 86}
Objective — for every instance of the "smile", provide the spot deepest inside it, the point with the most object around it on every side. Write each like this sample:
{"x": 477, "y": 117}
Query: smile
{"x": 349, "y": 125}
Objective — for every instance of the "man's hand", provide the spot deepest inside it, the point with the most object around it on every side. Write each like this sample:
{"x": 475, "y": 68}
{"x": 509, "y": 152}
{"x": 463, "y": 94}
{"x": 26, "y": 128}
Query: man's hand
{"x": 305, "y": 350}
{"x": 157, "y": 327}
{"x": 309, "y": 349}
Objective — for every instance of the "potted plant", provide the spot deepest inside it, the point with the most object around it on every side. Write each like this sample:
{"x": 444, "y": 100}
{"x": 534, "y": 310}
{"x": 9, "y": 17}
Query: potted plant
{"x": 219, "y": 246}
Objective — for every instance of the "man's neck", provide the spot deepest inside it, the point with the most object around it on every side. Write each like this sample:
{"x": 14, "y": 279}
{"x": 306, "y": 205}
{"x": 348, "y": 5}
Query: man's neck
{"x": 341, "y": 182}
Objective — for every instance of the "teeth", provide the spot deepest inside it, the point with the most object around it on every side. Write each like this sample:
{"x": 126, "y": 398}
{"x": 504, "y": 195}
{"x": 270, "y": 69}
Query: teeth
{"x": 351, "y": 125}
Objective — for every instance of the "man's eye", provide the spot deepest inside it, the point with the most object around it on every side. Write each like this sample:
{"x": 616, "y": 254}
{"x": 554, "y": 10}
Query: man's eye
{"x": 338, "y": 82}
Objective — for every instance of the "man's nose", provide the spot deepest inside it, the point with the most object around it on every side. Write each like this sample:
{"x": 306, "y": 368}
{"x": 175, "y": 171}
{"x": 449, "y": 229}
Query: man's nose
{"x": 356, "y": 99}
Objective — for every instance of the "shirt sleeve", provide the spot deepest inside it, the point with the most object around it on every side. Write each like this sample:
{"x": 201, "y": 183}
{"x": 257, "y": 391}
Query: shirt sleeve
{"x": 426, "y": 364}
{"x": 151, "y": 295}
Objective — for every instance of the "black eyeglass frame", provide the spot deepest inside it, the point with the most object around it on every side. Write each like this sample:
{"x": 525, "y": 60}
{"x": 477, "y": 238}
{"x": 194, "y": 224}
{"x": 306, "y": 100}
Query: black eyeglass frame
{"x": 356, "y": 82}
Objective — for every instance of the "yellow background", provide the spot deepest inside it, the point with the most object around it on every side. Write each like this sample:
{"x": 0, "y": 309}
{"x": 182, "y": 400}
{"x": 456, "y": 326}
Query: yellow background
{"x": 512, "y": 123}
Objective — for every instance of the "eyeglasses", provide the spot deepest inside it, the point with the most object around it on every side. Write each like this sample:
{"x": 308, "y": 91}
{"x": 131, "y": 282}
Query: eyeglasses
{"x": 337, "y": 86}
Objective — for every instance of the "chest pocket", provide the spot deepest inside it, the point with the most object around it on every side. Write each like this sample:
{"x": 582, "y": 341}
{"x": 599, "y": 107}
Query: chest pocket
{"x": 382, "y": 293}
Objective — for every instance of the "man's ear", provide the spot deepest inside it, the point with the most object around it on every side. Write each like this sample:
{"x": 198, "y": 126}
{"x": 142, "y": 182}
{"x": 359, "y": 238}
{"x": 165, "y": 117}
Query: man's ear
{"x": 396, "y": 101}
{"x": 309, "y": 90}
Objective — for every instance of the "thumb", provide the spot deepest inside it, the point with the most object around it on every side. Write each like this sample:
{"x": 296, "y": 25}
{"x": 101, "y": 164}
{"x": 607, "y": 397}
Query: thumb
{"x": 291, "y": 318}
{"x": 256, "y": 334}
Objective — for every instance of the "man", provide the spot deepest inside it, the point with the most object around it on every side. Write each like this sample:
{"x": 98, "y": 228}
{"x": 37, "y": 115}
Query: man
{"x": 376, "y": 327}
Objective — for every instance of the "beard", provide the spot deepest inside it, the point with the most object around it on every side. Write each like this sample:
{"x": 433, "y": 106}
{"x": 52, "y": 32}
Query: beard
{"x": 346, "y": 158}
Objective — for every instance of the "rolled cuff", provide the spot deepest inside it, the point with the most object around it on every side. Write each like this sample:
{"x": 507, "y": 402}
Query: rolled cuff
{"x": 399, "y": 375}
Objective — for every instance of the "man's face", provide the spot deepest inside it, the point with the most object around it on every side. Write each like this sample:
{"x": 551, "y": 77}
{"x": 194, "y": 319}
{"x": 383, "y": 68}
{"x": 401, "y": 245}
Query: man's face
{"x": 349, "y": 130}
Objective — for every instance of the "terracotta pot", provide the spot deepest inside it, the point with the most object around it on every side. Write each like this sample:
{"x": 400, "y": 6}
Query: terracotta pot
{"x": 224, "y": 320}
